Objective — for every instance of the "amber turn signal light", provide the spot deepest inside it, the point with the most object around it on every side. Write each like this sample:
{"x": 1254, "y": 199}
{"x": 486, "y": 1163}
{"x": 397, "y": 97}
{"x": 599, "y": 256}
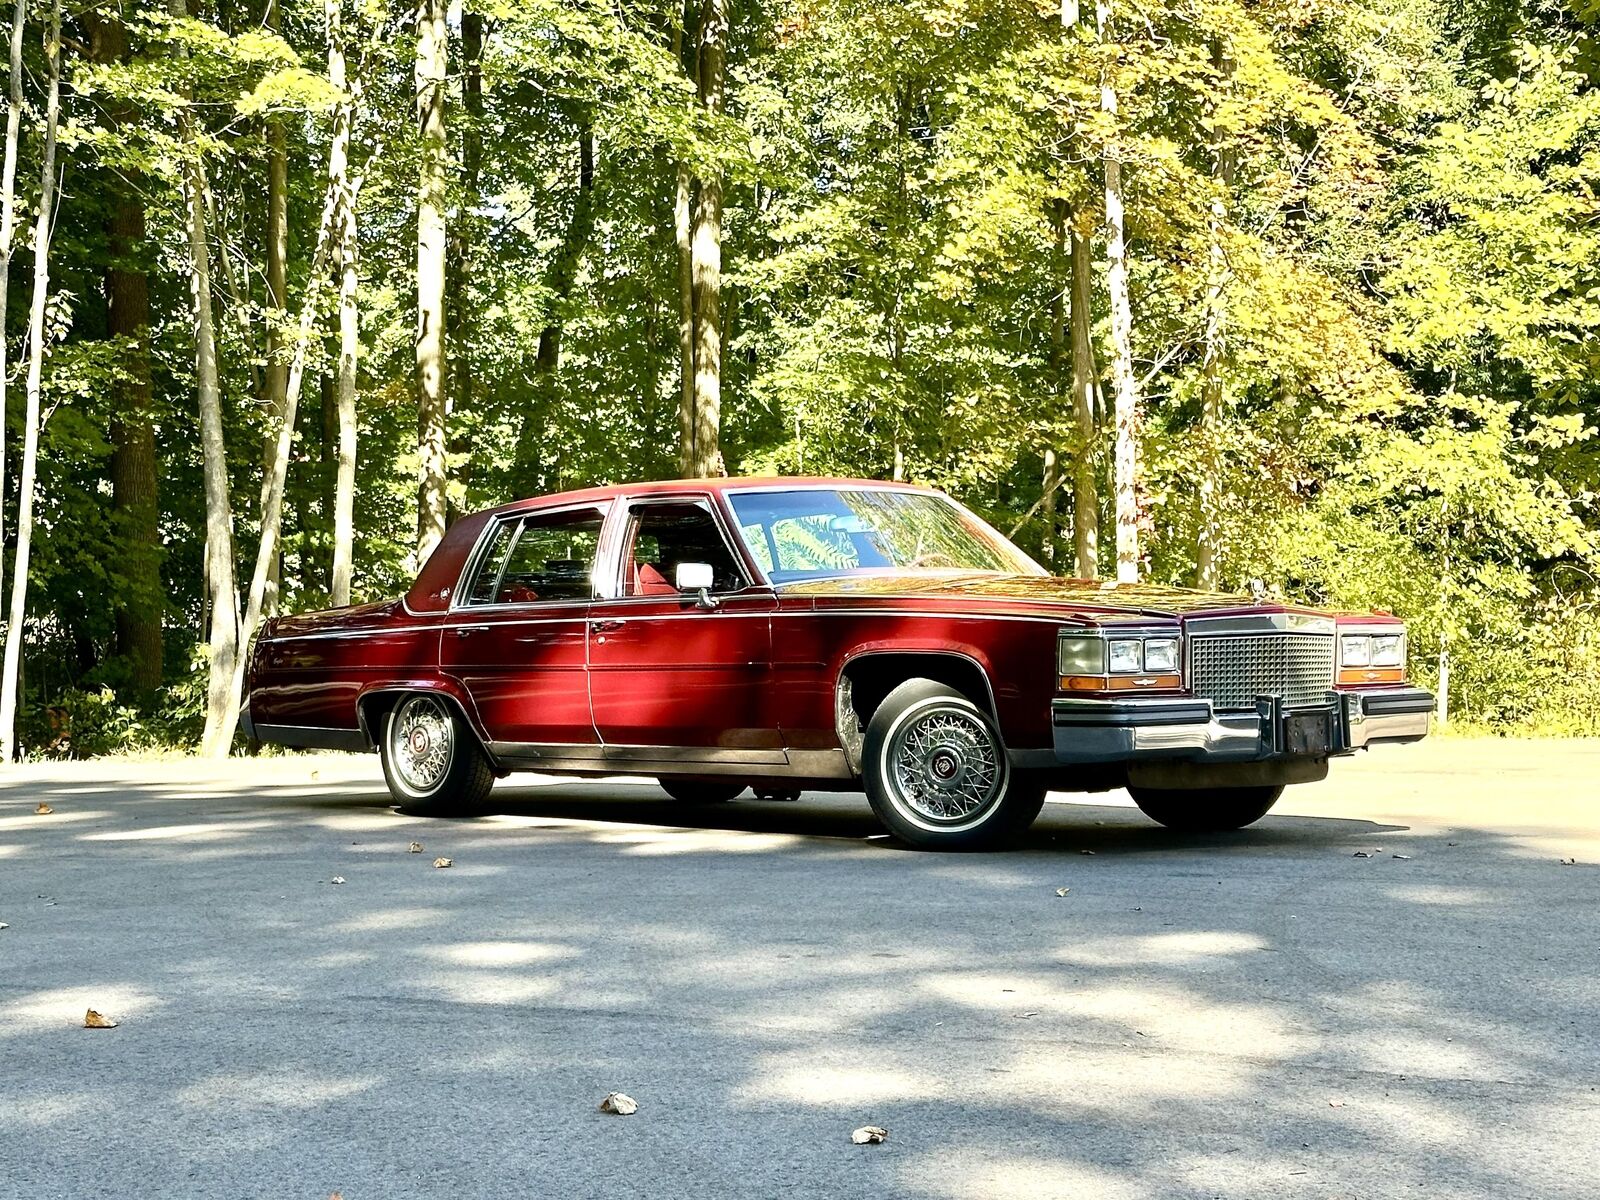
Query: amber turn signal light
{"x": 1119, "y": 683}
{"x": 1360, "y": 675}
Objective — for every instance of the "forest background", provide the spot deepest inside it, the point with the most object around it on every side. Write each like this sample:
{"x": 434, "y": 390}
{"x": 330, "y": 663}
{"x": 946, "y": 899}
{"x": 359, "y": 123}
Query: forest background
{"x": 1304, "y": 292}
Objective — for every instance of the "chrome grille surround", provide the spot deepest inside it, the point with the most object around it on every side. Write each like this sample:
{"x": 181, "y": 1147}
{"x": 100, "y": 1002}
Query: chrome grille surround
{"x": 1233, "y": 669}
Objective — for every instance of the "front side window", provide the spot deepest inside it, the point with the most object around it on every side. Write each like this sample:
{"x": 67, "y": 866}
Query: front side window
{"x": 540, "y": 558}
{"x": 660, "y": 536}
{"x": 813, "y": 532}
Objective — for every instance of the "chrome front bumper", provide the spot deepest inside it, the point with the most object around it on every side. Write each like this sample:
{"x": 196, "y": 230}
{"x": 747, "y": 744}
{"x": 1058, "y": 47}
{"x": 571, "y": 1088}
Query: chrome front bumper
{"x": 1112, "y": 731}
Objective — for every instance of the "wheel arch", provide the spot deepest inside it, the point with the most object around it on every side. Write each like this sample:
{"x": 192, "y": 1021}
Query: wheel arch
{"x": 868, "y": 675}
{"x": 375, "y": 703}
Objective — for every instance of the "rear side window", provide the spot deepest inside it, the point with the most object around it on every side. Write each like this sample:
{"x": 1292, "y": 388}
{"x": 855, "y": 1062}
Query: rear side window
{"x": 540, "y": 558}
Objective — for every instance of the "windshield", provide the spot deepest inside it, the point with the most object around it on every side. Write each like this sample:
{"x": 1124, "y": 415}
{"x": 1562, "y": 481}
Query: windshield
{"x": 812, "y": 532}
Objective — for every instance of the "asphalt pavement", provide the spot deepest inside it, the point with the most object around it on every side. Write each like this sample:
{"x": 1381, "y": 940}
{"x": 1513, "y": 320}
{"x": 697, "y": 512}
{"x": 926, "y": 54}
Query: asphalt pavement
{"x": 1388, "y": 987}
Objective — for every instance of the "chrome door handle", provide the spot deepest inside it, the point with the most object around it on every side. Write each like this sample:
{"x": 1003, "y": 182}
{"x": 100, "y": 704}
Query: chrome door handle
{"x": 609, "y": 626}
{"x": 464, "y": 630}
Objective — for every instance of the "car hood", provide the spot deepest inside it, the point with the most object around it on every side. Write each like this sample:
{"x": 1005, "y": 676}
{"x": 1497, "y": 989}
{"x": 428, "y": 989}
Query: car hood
{"x": 1093, "y": 599}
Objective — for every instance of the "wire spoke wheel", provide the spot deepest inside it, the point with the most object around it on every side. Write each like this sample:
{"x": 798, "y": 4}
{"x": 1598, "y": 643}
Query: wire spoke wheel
{"x": 421, "y": 743}
{"x": 946, "y": 765}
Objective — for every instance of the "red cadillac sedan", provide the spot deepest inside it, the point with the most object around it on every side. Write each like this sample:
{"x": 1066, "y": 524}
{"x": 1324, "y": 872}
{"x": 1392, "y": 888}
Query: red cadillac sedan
{"x": 790, "y": 634}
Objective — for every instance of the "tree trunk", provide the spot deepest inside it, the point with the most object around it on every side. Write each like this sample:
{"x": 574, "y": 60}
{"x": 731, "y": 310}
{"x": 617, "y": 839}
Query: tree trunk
{"x": 217, "y": 737}
{"x": 432, "y": 50}
{"x": 134, "y": 500}
{"x": 1213, "y": 398}
{"x": 706, "y": 452}
{"x": 30, "y": 430}
{"x": 349, "y": 314}
{"x": 1122, "y": 377}
{"x": 682, "y": 212}
{"x": 463, "y": 240}
{"x": 276, "y": 380}
{"x": 1085, "y": 491}
{"x": 563, "y": 273}
{"x": 1050, "y": 481}
{"x": 8, "y": 216}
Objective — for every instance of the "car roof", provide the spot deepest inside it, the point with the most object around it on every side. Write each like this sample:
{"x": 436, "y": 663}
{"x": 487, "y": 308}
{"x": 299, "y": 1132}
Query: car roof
{"x": 721, "y": 484}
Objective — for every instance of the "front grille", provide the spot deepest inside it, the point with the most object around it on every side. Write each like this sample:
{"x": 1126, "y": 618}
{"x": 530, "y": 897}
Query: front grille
{"x": 1231, "y": 670}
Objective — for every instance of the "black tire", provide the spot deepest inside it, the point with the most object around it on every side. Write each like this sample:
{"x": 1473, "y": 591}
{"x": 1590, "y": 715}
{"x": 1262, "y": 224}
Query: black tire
{"x": 1206, "y": 810}
{"x": 936, "y": 772}
{"x": 432, "y": 761}
{"x": 697, "y": 789}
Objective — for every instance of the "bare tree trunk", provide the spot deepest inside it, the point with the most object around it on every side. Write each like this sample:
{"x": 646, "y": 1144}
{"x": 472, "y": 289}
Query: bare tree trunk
{"x": 276, "y": 379}
{"x": 682, "y": 212}
{"x": 1085, "y": 491}
{"x": 1050, "y": 482}
{"x": 30, "y": 431}
{"x": 707, "y": 254}
{"x": 349, "y": 314}
{"x": 1213, "y": 396}
{"x": 432, "y": 50}
{"x": 134, "y": 500}
{"x": 563, "y": 273}
{"x": 463, "y": 240}
{"x": 1122, "y": 377}
{"x": 8, "y": 216}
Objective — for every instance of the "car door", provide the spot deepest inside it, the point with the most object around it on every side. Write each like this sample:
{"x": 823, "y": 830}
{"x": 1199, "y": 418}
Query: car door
{"x": 518, "y": 636}
{"x": 671, "y": 679}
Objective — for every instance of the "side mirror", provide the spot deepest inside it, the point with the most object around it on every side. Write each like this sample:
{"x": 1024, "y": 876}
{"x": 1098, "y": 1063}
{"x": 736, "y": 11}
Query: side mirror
{"x": 696, "y": 577}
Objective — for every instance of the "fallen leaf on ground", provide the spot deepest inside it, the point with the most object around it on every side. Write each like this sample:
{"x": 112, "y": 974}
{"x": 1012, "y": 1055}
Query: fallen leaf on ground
{"x": 444, "y": 862}
{"x": 621, "y": 1105}
{"x": 1335, "y": 1103}
{"x": 3, "y": 925}
{"x": 1401, "y": 857}
{"x": 869, "y": 1135}
{"x": 1085, "y": 851}
{"x": 337, "y": 879}
{"x": 416, "y": 848}
{"x": 44, "y": 810}
{"x": 1062, "y": 891}
{"x": 1569, "y": 862}
{"x": 335, "y": 1196}
{"x": 94, "y": 1020}
{"x": 1361, "y": 854}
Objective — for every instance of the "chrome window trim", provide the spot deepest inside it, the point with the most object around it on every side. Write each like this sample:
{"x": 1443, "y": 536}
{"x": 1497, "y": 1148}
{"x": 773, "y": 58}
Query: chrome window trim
{"x": 616, "y": 546}
{"x": 486, "y": 537}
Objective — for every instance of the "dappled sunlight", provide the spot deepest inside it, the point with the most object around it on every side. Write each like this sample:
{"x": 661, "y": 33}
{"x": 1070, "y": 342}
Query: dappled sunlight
{"x": 391, "y": 920}
{"x": 38, "y": 823}
{"x": 175, "y": 833}
{"x": 64, "y": 1008}
{"x": 790, "y": 1077}
{"x": 695, "y": 841}
{"x": 1166, "y": 1015}
{"x": 1194, "y": 948}
{"x": 1443, "y": 894}
{"x": 501, "y": 954}
{"x": 485, "y": 987}
{"x": 962, "y": 1173}
{"x": 270, "y": 1090}
{"x": 43, "y": 1109}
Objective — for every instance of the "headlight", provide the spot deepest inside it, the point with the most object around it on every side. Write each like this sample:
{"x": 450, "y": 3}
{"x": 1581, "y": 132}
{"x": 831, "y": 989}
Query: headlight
{"x": 1355, "y": 651}
{"x": 1161, "y": 655}
{"x": 1125, "y": 656}
{"x": 1388, "y": 650}
{"x": 1081, "y": 655}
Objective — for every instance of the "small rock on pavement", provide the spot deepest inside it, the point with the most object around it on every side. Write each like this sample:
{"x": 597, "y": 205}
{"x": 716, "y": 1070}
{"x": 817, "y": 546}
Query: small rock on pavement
{"x": 620, "y": 1104}
{"x": 415, "y": 848}
{"x": 444, "y": 862}
{"x": 869, "y": 1135}
{"x": 337, "y": 879}
{"x": 94, "y": 1020}
{"x": 1062, "y": 891}
{"x": 43, "y": 810}
{"x": 1569, "y": 862}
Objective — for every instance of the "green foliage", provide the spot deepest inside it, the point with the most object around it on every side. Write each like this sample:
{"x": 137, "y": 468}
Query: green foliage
{"x": 1407, "y": 223}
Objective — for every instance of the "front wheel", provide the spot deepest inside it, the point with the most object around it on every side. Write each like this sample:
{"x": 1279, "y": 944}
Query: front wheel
{"x": 937, "y": 774}
{"x": 431, "y": 760}
{"x": 1206, "y": 810}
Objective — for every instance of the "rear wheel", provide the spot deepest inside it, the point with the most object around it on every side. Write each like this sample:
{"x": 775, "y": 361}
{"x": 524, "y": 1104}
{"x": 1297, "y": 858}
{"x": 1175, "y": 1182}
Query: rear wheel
{"x": 1206, "y": 810}
{"x": 689, "y": 789}
{"x": 937, "y": 773}
{"x": 431, "y": 760}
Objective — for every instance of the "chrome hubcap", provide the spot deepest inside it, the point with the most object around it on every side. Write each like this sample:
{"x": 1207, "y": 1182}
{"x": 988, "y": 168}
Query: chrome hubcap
{"x": 946, "y": 765}
{"x": 420, "y": 741}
